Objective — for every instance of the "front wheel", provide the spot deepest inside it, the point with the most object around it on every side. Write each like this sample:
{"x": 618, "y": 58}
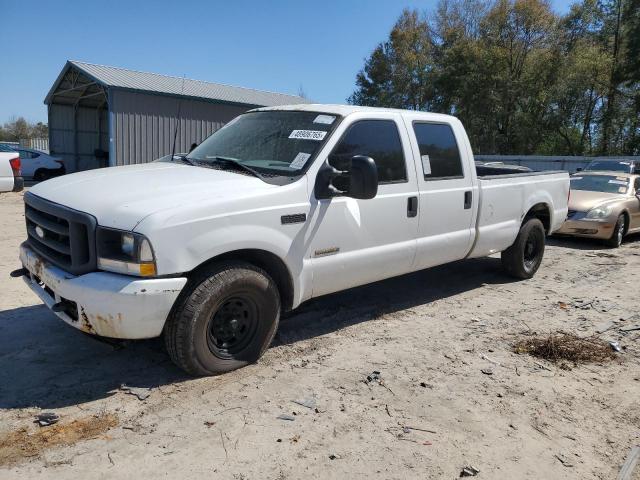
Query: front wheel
{"x": 523, "y": 258}
{"x": 618, "y": 233}
{"x": 225, "y": 319}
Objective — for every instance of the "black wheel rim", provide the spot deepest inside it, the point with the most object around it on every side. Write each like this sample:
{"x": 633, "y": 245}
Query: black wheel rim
{"x": 232, "y": 327}
{"x": 532, "y": 250}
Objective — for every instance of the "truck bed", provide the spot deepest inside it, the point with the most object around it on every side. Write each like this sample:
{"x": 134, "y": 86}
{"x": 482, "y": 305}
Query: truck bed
{"x": 505, "y": 199}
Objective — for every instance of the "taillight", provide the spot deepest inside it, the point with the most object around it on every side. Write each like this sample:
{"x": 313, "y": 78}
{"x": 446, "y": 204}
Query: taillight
{"x": 15, "y": 166}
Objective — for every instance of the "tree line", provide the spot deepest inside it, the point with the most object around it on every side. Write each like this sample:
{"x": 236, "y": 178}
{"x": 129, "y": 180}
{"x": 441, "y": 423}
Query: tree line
{"x": 18, "y": 129}
{"x": 523, "y": 79}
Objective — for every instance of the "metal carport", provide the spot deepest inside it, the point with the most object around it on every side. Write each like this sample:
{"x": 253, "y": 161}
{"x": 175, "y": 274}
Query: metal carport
{"x": 105, "y": 116}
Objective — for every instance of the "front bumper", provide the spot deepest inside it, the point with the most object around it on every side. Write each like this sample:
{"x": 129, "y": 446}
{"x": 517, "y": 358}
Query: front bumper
{"x": 102, "y": 303}
{"x": 596, "y": 228}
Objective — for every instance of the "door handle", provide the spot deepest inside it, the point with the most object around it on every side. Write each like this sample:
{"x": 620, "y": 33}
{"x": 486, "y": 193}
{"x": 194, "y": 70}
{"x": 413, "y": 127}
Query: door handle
{"x": 412, "y": 206}
{"x": 467, "y": 200}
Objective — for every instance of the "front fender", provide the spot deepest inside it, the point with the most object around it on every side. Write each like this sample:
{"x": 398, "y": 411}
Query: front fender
{"x": 183, "y": 249}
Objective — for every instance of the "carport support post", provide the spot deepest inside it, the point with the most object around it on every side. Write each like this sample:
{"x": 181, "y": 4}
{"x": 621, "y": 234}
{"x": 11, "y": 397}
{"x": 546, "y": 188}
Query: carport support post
{"x": 76, "y": 159}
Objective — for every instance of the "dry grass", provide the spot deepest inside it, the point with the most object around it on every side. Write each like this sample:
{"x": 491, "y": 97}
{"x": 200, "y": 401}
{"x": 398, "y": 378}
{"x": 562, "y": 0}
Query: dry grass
{"x": 562, "y": 346}
{"x": 26, "y": 443}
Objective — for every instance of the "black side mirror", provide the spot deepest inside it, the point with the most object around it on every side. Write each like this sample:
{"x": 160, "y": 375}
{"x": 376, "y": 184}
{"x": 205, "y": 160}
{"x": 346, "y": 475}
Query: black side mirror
{"x": 579, "y": 169}
{"x": 359, "y": 181}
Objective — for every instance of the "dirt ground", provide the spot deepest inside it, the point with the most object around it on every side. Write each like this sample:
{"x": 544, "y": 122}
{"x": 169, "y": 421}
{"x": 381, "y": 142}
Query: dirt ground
{"x": 450, "y": 393}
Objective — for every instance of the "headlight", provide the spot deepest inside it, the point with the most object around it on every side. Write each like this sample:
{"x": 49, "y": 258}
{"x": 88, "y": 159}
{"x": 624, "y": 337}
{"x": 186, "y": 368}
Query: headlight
{"x": 125, "y": 252}
{"x": 599, "y": 212}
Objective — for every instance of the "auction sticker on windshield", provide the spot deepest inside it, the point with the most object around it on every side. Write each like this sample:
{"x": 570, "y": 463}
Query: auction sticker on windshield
{"x": 300, "y": 160}
{"x": 317, "y": 135}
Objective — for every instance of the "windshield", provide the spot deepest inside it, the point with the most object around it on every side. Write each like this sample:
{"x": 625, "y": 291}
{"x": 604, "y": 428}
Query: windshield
{"x": 275, "y": 143}
{"x": 600, "y": 183}
{"x": 610, "y": 166}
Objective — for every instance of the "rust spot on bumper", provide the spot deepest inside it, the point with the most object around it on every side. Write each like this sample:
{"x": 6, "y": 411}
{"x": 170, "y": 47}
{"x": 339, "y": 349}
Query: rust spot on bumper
{"x": 85, "y": 324}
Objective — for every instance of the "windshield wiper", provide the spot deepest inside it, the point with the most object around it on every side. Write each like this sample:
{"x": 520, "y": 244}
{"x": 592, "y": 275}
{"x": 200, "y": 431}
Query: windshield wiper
{"x": 235, "y": 163}
{"x": 183, "y": 159}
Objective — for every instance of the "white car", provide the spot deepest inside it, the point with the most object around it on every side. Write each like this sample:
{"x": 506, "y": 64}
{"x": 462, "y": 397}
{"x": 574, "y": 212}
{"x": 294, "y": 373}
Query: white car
{"x": 36, "y": 165}
{"x": 10, "y": 175}
{"x": 281, "y": 205}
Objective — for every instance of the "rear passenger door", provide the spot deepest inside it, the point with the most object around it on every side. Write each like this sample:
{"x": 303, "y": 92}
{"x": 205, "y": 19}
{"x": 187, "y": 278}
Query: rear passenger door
{"x": 362, "y": 241}
{"x": 30, "y": 162}
{"x": 447, "y": 199}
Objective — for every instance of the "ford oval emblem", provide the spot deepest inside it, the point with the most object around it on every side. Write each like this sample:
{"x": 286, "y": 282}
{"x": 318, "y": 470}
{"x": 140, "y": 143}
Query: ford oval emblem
{"x": 39, "y": 231}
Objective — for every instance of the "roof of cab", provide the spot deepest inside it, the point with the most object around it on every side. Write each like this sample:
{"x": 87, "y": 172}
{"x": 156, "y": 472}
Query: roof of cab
{"x": 345, "y": 110}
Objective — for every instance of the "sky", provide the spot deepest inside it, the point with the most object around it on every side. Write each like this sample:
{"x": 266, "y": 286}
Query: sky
{"x": 275, "y": 45}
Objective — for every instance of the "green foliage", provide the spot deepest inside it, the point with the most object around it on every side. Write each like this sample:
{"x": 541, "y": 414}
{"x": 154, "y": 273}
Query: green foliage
{"x": 19, "y": 129}
{"x": 523, "y": 79}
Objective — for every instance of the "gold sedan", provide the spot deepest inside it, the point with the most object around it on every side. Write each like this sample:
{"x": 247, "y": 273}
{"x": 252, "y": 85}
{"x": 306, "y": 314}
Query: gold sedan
{"x": 604, "y": 205}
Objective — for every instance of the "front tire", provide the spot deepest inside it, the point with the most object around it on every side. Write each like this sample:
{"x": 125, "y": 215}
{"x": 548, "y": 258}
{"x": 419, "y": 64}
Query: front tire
{"x": 225, "y": 319}
{"x": 522, "y": 259}
{"x": 618, "y": 233}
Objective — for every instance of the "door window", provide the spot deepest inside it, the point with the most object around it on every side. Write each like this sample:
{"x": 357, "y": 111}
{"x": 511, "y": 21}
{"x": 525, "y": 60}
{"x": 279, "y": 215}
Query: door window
{"x": 438, "y": 151}
{"x": 378, "y": 139}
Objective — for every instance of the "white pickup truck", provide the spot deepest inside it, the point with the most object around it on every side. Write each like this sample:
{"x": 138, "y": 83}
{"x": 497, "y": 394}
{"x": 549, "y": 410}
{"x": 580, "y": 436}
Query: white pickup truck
{"x": 10, "y": 175}
{"x": 281, "y": 205}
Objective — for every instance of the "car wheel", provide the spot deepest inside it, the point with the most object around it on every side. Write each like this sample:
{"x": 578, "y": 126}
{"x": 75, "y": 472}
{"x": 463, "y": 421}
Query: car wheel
{"x": 225, "y": 319}
{"x": 41, "y": 175}
{"x": 618, "y": 233}
{"x": 523, "y": 258}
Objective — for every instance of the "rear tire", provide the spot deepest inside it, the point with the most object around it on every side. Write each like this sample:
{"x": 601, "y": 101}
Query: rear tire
{"x": 41, "y": 175}
{"x": 618, "y": 233}
{"x": 522, "y": 259}
{"x": 225, "y": 319}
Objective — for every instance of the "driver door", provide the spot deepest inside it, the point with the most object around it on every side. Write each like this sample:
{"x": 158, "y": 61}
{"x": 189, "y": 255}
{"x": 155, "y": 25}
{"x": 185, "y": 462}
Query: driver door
{"x": 355, "y": 242}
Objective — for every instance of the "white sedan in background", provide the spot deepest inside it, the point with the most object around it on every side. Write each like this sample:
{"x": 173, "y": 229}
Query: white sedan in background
{"x": 36, "y": 165}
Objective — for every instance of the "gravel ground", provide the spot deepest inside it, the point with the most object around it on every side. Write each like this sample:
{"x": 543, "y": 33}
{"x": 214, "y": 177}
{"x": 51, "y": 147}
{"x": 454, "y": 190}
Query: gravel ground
{"x": 450, "y": 393}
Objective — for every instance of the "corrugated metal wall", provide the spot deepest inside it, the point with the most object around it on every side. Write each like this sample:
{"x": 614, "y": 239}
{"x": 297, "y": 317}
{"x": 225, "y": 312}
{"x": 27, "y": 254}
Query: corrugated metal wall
{"x": 62, "y": 139}
{"x": 143, "y": 124}
{"x": 41, "y": 144}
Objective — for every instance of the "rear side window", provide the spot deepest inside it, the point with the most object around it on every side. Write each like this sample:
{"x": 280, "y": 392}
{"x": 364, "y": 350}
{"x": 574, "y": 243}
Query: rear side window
{"x": 438, "y": 151}
{"x": 378, "y": 139}
{"x": 25, "y": 154}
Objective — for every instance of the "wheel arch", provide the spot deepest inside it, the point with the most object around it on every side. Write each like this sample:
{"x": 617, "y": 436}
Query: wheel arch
{"x": 263, "y": 259}
{"x": 627, "y": 218}
{"x": 541, "y": 211}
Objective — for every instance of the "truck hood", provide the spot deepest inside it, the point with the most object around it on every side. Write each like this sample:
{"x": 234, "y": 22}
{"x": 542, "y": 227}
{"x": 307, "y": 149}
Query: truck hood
{"x": 121, "y": 197}
{"x": 583, "y": 200}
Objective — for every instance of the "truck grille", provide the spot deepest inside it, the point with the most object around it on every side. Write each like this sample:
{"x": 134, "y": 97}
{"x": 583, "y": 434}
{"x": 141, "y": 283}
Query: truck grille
{"x": 63, "y": 236}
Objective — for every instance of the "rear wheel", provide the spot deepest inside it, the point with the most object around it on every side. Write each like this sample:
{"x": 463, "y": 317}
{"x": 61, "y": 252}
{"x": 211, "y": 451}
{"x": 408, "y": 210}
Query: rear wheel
{"x": 618, "y": 233}
{"x": 225, "y": 320}
{"x": 523, "y": 258}
{"x": 41, "y": 175}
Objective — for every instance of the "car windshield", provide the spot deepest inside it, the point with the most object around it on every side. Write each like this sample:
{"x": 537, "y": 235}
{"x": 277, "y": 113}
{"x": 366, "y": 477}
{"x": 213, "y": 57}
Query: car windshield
{"x": 600, "y": 183}
{"x": 610, "y": 166}
{"x": 275, "y": 143}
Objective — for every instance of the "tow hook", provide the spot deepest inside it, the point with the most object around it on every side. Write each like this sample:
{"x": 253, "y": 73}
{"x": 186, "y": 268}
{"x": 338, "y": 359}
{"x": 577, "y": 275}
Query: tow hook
{"x": 21, "y": 272}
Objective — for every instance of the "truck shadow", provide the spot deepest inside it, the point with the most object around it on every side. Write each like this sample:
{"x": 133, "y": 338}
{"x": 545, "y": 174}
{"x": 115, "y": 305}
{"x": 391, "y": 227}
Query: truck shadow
{"x": 361, "y": 304}
{"x": 45, "y": 363}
